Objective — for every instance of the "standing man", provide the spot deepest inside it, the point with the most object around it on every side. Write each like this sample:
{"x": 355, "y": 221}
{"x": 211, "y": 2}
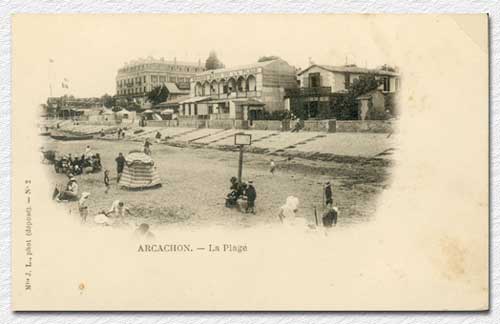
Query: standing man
{"x": 328, "y": 194}
{"x": 147, "y": 146}
{"x": 120, "y": 164}
{"x": 251, "y": 196}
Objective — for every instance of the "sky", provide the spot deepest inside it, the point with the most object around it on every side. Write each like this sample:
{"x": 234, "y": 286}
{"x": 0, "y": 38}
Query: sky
{"x": 88, "y": 50}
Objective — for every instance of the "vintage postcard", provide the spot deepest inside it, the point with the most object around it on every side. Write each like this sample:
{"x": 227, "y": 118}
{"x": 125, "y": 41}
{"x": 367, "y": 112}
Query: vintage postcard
{"x": 250, "y": 162}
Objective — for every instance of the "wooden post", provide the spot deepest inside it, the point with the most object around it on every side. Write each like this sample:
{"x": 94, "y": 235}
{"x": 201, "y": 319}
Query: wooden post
{"x": 240, "y": 164}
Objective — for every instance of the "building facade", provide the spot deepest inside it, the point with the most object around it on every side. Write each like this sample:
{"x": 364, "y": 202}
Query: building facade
{"x": 339, "y": 78}
{"x": 136, "y": 78}
{"x": 322, "y": 85}
{"x": 240, "y": 93}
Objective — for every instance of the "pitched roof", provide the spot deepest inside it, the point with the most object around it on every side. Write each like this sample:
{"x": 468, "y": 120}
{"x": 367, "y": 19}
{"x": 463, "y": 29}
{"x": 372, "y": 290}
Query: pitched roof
{"x": 350, "y": 69}
{"x": 173, "y": 101}
{"x": 172, "y": 88}
{"x": 195, "y": 99}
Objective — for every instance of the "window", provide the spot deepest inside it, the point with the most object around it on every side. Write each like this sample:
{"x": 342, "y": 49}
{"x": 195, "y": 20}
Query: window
{"x": 347, "y": 80}
{"x": 314, "y": 80}
{"x": 387, "y": 84}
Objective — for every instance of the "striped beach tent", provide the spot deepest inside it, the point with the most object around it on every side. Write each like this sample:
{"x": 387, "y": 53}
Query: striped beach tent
{"x": 139, "y": 172}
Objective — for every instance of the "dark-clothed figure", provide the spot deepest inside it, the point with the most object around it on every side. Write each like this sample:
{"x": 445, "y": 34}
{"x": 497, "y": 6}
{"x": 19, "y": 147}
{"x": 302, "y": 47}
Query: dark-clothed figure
{"x": 233, "y": 195}
{"x": 120, "y": 164}
{"x": 147, "y": 146}
{"x": 330, "y": 217}
{"x": 328, "y": 194}
{"x": 234, "y": 183}
{"x": 251, "y": 197}
{"x": 106, "y": 180}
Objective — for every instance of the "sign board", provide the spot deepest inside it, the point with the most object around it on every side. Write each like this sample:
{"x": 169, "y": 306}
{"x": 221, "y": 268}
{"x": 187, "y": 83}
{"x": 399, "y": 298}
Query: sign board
{"x": 242, "y": 139}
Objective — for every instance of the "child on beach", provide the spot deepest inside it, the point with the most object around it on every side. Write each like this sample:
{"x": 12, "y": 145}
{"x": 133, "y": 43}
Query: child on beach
{"x": 106, "y": 180}
{"x": 272, "y": 167}
{"x": 82, "y": 206}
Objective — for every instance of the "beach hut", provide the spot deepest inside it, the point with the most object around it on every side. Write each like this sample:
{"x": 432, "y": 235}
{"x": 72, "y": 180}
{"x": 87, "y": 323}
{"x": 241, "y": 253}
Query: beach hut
{"x": 139, "y": 172}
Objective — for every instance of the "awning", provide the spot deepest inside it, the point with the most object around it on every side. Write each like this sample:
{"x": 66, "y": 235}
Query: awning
{"x": 249, "y": 102}
{"x": 195, "y": 99}
{"x": 167, "y": 111}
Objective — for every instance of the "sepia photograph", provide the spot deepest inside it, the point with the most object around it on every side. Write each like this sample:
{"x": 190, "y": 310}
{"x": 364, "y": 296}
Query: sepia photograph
{"x": 250, "y": 162}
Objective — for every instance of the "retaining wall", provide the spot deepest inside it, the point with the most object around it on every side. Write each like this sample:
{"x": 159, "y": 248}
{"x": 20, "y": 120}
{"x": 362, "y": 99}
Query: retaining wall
{"x": 276, "y": 125}
{"x": 328, "y": 125}
{"x": 221, "y": 123}
{"x": 365, "y": 126}
{"x": 162, "y": 123}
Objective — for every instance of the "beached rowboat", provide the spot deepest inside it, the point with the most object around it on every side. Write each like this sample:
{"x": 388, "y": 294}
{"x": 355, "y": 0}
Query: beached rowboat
{"x": 71, "y": 137}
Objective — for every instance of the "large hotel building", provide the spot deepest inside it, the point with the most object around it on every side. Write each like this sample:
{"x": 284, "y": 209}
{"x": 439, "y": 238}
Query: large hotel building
{"x": 136, "y": 78}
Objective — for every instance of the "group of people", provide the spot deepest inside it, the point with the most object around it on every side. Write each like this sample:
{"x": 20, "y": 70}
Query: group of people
{"x": 246, "y": 191}
{"x": 329, "y": 218}
{"x": 241, "y": 190}
{"x": 115, "y": 215}
{"x": 120, "y": 133}
{"x": 77, "y": 165}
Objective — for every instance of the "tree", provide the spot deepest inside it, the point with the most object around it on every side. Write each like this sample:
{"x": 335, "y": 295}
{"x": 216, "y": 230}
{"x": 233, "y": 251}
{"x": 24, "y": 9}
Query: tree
{"x": 347, "y": 104}
{"x": 157, "y": 95}
{"x": 213, "y": 62}
{"x": 108, "y": 101}
{"x": 268, "y": 58}
{"x": 132, "y": 105}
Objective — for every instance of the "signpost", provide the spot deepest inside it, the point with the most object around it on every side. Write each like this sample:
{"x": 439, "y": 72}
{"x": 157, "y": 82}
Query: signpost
{"x": 241, "y": 139}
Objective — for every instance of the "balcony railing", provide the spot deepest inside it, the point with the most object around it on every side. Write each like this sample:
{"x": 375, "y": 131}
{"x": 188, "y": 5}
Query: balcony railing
{"x": 308, "y": 92}
{"x": 239, "y": 94}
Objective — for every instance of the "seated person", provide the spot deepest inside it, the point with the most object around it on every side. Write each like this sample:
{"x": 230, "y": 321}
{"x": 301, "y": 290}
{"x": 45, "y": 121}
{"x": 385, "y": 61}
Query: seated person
{"x": 118, "y": 210}
{"x": 70, "y": 193}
